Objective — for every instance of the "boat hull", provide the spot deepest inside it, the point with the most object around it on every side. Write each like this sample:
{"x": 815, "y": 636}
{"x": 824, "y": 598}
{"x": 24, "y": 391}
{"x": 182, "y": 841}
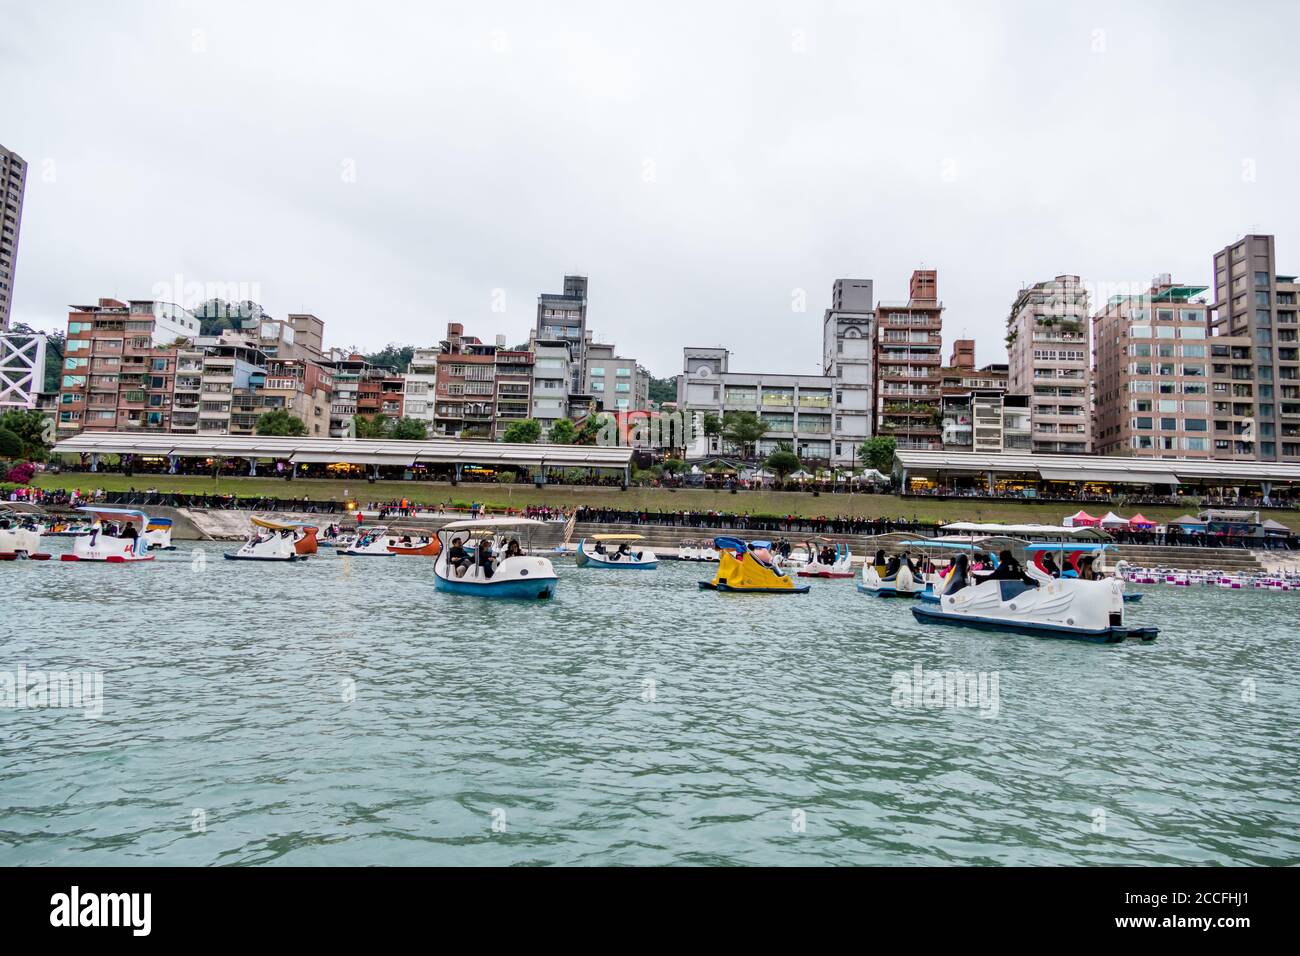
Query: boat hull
{"x": 531, "y": 589}
{"x": 889, "y": 592}
{"x": 728, "y": 589}
{"x": 235, "y": 556}
{"x": 928, "y": 614}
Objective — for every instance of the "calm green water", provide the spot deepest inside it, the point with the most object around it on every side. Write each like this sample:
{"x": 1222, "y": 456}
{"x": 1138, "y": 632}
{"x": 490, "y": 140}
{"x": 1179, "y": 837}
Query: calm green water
{"x": 635, "y": 720}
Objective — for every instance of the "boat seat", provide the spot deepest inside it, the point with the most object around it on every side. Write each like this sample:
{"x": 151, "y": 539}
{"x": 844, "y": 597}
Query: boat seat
{"x": 1011, "y": 589}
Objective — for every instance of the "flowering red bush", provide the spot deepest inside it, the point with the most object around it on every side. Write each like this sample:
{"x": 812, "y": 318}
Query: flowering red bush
{"x": 21, "y": 474}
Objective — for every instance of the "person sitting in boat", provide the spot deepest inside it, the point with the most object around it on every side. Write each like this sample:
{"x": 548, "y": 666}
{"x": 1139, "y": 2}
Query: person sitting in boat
{"x": 406, "y": 540}
{"x": 513, "y": 550}
{"x": 457, "y": 558}
{"x": 484, "y": 556}
{"x": 891, "y": 569}
{"x": 129, "y": 532}
{"x": 1050, "y": 566}
{"x": 599, "y": 548}
{"x": 623, "y": 552}
{"x": 763, "y": 556}
{"x": 1009, "y": 569}
{"x": 1086, "y": 571}
{"x": 880, "y": 563}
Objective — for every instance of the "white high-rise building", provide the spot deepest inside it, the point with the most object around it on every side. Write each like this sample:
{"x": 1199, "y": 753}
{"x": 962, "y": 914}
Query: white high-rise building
{"x": 848, "y": 337}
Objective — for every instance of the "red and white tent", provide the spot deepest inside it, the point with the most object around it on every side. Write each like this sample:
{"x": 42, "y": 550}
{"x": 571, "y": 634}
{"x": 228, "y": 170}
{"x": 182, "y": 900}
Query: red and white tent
{"x": 1138, "y": 521}
{"x": 1080, "y": 519}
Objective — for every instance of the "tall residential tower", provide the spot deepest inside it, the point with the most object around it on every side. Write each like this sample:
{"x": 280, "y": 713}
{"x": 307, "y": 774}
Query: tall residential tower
{"x": 13, "y": 178}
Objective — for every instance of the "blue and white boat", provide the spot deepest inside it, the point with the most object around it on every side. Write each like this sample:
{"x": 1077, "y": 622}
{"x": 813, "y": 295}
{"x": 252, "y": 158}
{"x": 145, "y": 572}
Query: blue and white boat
{"x": 623, "y": 556}
{"x": 485, "y": 558}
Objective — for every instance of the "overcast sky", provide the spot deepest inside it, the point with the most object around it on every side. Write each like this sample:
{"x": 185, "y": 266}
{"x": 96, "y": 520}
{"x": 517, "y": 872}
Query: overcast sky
{"x": 391, "y": 166}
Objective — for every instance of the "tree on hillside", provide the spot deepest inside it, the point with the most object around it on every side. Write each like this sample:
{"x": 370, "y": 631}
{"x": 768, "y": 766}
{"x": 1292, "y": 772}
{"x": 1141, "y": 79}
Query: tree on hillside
{"x": 409, "y": 429}
{"x": 878, "y": 453}
{"x": 783, "y": 463}
{"x": 372, "y": 426}
{"x": 30, "y": 426}
{"x": 523, "y": 432}
{"x": 663, "y": 389}
{"x": 394, "y": 356}
{"x": 279, "y": 422}
{"x": 743, "y": 429}
{"x": 562, "y": 432}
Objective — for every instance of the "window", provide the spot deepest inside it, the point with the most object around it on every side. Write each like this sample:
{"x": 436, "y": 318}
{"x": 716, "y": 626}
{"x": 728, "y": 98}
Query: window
{"x": 597, "y": 371}
{"x": 1169, "y": 424}
{"x": 624, "y": 373}
{"x": 1193, "y": 351}
{"x": 1142, "y": 423}
{"x": 1191, "y": 333}
{"x": 1164, "y": 315}
{"x": 1195, "y": 425}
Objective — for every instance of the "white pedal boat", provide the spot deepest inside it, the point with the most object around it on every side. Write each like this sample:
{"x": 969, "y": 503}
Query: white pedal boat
{"x": 17, "y": 541}
{"x": 596, "y": 553}
{"x": 841, "y": 567}
{"x": 901, "y": 584}
{"x": 371, "y": 543}
{"x": 1089, "y": 610}
{"x": 268, "y": 545}
{"x": 126, "y": 543}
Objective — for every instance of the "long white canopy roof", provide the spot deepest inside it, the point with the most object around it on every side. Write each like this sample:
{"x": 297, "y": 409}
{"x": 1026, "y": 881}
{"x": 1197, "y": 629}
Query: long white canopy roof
{"x": 357, "y": 451}
{"x": 1110, "y": 469}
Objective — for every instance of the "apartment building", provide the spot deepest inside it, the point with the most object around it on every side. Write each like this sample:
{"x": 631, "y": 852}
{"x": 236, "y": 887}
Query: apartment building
{"x": 13, "y": 184}
{"x": 360, "y": 388}
{"x": 1153, "y": 374}
{"x": 421, "y": 384}
{"x": 564, "y": 317}
{"x": 301, "y": 387}
{"x": 308, "y": 333}
{"x": 1254, "y": 301}
{"x": 120, "y": 362}
{"x": 978, "y": 414}
{"x": 1049, "y": 359}
{"x": 616, "y": 384}
{"x": 848, "y": 356}
{"x": 797, "y": 409}
{"x": 229, "y": 391}
{"x": 550, "y": 395}
{"x": 514, "y": 388}
{"x": 909, "y": 339}
{"x": 465, "y": 393}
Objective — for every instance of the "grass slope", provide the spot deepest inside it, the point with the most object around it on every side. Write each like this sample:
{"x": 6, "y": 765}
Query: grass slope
{"x": 650, "y": 499}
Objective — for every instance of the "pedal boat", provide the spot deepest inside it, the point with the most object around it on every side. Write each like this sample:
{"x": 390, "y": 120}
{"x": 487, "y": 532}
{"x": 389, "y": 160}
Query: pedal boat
{"x": 18, "y": 543}
{"x": 1056, "y": 607}
{"x": 269, "y": 544}
{"x": 416, "y": 542}
{"x": 94, "y": 545}
{"x": 305, "y": 541}
{"x": 591, "y": 556}
{"x": 159, "y": 534}
{"x": 901, "y": 584}
{"x": 370, "y": 543}
{"x": 749, "y": 569}
{"x": 524, "y": 576}
{"x": 841, "y": 567}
